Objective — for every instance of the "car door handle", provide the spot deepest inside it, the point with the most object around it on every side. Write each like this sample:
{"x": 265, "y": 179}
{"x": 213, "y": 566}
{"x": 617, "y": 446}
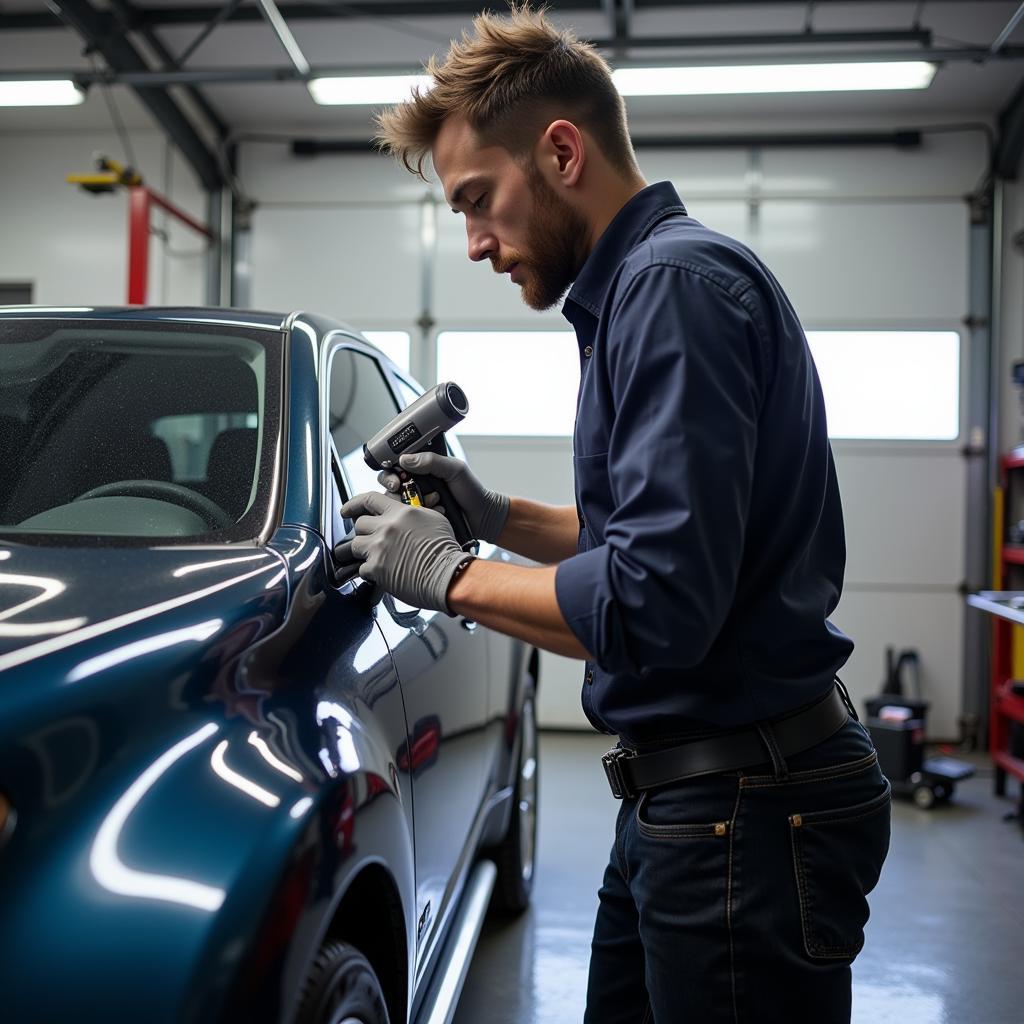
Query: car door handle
{"x": 373, "y": 593}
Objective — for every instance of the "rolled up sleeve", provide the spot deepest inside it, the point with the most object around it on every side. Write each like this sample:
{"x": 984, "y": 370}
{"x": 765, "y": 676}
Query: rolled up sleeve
{"x": 683, "y": 362}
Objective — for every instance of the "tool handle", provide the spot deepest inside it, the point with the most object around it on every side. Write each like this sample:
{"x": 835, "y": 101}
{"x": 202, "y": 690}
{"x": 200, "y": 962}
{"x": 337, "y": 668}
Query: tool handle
{"x": 452, "y": 509}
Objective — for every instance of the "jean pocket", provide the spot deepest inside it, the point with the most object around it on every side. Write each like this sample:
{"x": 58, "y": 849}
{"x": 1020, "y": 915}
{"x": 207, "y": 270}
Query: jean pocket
{"x": 657, "y": 817}
{"x": 837, "y": 858}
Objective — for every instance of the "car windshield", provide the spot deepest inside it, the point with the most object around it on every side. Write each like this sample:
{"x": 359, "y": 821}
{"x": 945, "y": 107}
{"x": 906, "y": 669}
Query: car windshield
{"x": 136, "y": 429}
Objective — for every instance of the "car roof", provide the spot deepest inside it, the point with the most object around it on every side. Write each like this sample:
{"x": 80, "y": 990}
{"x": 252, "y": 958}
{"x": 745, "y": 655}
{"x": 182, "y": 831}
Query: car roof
{"x": 315, "y": 326}
{"x": 179, "y": 314}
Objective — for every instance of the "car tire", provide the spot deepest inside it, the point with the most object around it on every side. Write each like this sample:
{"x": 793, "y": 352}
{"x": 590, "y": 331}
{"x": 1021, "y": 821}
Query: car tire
{"x": 341, "y": 988}
{"x": 516, "y": 855}
{"x": 924, "y": 797}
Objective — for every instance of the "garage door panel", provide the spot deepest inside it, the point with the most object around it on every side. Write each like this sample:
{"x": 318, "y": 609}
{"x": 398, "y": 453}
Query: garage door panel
{"x": 865, "y": 263}
{"x": 904, "y": 514}
{"x": 930, "y": 623}
{"x": 472, "y": 292}
{"x": 356, "y": 264}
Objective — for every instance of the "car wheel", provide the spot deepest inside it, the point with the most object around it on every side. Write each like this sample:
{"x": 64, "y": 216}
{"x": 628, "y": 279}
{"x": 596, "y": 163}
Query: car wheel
{"x": 516, "y": 855}
{"x": 341, "y": 988}
{"x": 924, "y": 797}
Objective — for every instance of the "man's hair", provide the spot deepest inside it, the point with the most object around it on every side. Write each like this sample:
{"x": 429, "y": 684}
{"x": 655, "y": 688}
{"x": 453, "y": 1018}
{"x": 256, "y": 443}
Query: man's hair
{"x": 510, "y": 78}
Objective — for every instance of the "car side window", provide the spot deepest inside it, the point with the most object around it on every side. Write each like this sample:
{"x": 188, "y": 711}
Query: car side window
{"x": 359, "y": 404}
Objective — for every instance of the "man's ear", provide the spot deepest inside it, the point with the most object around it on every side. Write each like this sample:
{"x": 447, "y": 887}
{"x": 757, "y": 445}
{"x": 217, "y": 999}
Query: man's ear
{"x": 561, "y": 151}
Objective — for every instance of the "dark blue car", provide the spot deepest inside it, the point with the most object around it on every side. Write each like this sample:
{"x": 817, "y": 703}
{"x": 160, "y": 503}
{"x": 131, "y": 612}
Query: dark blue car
{"x": 236, "y": 783}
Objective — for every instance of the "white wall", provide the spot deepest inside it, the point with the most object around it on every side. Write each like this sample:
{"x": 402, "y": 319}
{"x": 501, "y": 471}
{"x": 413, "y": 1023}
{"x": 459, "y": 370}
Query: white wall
{"x": 860, "y": 239}
{"x": 73, "y": 246}
{"x": 870, "y": 238}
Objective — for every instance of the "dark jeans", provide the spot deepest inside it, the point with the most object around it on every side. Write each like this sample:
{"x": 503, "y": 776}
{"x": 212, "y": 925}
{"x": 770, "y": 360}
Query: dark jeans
{"x": 740, "y": 897}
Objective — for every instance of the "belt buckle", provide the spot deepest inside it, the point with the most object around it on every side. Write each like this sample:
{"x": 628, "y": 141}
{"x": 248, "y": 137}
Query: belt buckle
{"x": 612, "y": 762}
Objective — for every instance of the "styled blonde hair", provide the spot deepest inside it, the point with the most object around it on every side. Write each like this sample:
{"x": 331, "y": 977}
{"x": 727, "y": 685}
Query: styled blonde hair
{"x": 510, "y": 78}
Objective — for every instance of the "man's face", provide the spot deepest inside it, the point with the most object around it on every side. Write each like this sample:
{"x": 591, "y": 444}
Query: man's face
{"x": 514, "y": 217}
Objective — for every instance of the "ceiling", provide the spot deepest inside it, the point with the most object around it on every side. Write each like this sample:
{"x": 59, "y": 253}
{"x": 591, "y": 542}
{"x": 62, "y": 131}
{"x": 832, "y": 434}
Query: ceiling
{"x": 386, "y": 33}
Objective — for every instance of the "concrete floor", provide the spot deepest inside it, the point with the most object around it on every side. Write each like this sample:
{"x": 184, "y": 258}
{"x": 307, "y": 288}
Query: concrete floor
{"x": 945, "y": 944}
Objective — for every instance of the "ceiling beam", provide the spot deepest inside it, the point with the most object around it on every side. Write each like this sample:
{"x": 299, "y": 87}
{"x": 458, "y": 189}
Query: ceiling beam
{"x": 921, "y": 36}
{"x": 101, "y": 32}
{"x": 1010, "y": 145}
{"x": 199, "y": 14}
{"x": 904, "y": 139}
{"x": 171, "y": 62}
{"x": 286, "y": 73}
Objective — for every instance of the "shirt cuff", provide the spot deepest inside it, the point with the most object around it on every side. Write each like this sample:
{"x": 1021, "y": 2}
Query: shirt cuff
{"x": 582, "y": 591}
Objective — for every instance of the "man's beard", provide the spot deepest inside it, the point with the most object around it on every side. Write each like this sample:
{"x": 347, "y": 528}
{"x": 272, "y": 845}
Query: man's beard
{"x": 555, "y": 247}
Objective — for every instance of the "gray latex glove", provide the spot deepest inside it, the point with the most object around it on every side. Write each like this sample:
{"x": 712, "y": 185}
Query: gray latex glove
{"x": 486, "y": 511}
{"x": 410, "y": 552}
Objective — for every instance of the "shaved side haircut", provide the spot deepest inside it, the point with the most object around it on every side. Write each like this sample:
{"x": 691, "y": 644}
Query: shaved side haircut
{"x": 510, "y": 78}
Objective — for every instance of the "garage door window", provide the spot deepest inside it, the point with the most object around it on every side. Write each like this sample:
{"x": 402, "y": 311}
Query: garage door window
{"x": 878, "y": 385}
{"x": 890, "y": 385}
{"x": 396, "y": 345}
{"x": 519, "y": 383}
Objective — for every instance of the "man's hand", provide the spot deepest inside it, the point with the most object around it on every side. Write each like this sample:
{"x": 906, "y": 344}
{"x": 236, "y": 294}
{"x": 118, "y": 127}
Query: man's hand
{"x": 486, "y": 511}
{"x": 410, "y": 552}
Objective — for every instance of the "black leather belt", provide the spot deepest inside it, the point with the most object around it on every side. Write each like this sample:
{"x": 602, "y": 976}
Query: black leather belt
{"x": 630, "y": 772}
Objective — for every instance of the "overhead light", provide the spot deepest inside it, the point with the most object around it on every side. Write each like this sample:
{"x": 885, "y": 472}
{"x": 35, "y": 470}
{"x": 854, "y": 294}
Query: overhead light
{"x": 678, "y": 81}
{"x": 370, "y": 90}
{"x": 703, "y": 81}
{"x": 59, "y": 92}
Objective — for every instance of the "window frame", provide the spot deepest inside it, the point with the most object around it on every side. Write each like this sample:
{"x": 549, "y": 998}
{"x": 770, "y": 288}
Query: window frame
{"x": 332, "y": 472}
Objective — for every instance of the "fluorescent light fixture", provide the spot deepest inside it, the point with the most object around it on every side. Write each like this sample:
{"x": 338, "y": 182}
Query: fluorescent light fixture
{"x": 703, "y": 81}
{"x": 370, "y": 90}
{"x": 60, "y": 92}
{"x": 680, "y": 81}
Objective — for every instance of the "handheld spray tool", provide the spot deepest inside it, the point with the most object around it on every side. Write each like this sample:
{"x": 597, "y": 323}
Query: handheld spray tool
{"x": 420, "y": 428}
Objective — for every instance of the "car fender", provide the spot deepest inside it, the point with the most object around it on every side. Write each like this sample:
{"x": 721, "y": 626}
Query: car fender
{"x": 285, "y": 898}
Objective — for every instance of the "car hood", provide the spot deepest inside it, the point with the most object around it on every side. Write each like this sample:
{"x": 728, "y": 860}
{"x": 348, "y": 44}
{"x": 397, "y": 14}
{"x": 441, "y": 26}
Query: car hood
{"x": 53, "y": 598}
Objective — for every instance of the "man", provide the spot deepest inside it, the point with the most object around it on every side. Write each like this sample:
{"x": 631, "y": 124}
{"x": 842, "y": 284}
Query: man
{"x": 697, "y": 572}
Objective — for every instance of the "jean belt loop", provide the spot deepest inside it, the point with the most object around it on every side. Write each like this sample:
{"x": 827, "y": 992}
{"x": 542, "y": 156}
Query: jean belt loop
{"x": 779, "y": 767}
{"x": 847, "y": 700}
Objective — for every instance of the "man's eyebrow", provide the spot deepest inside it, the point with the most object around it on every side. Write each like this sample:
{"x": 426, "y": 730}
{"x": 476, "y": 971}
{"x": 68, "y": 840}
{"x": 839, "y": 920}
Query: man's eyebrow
{"x": 460, "y": 189}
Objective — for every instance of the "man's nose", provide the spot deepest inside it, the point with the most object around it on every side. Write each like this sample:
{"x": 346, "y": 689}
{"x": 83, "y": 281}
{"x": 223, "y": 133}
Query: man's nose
{"x": 482, "y": 245}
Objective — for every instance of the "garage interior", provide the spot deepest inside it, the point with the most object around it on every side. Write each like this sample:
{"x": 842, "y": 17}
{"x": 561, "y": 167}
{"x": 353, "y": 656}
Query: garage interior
{"x": 894, "y": 218}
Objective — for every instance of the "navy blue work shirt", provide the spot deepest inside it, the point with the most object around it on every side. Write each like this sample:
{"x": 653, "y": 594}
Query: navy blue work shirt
{"x": 711, "y": 548}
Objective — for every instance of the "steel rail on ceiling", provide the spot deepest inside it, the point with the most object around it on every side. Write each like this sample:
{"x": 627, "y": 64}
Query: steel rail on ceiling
{"x": 283, "y": 73}
{"x": 171, "y": 62}
{"x": 101, "y": 32}
{"x": 903, "y": 139}
{"x": 1007, "y": 30}
{"x": 199, "y": 14}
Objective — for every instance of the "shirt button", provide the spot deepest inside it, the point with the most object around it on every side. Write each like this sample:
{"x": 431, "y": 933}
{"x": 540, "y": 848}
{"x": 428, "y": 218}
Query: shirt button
{"x": 590, "y": 675}
{"x": 588, "y": 351}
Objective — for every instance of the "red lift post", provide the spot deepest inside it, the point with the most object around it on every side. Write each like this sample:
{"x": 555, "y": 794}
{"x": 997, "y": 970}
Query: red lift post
{"x": 110, "y": 176}
{"x": 141, "y": 201}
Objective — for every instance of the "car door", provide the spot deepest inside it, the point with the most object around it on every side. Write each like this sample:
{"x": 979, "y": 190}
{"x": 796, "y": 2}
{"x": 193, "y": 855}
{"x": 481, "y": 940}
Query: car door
{"x": 441, "y": 663}
{"x": 501, "y": 686}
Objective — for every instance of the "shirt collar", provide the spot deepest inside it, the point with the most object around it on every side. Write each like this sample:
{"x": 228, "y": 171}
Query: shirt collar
{"x": 628, "y": 227}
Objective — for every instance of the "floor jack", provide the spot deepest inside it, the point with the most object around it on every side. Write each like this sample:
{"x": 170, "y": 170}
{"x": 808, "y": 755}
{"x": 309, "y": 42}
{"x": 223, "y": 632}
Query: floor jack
{"x": 897, "y": 726}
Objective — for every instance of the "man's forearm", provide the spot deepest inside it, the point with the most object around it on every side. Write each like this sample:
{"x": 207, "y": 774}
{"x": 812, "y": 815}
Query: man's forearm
{"x": 544, "y": 533}
{"x": 517, "y": 601}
